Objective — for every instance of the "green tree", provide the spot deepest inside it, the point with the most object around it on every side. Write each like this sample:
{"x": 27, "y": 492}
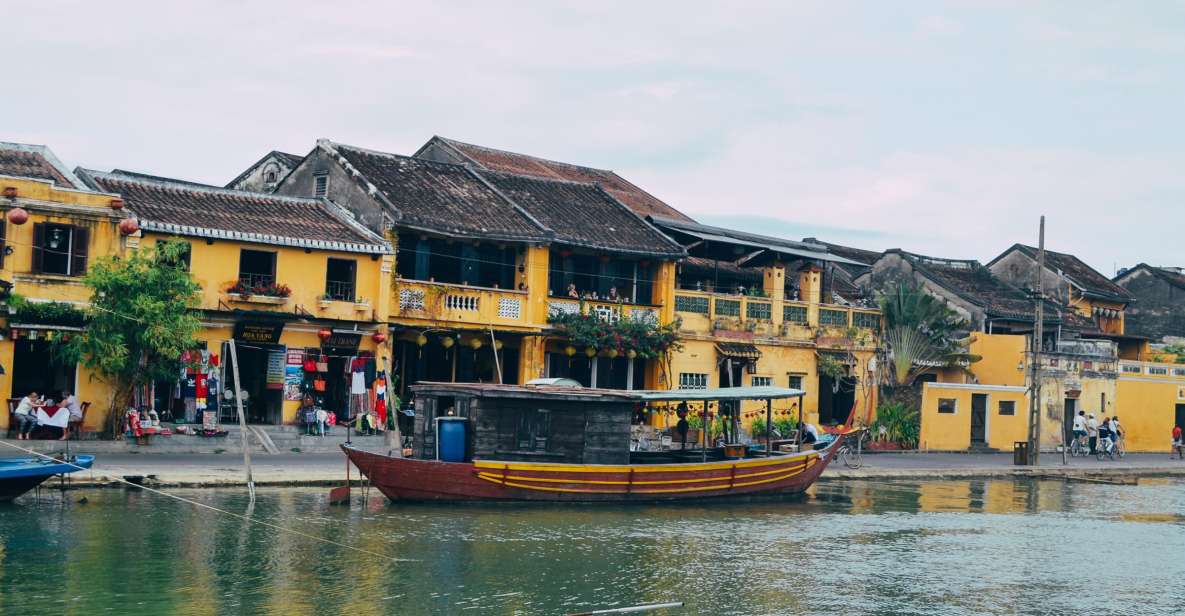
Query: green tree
{"x": 921, "y": 332}
{"x": 140, "y": 320}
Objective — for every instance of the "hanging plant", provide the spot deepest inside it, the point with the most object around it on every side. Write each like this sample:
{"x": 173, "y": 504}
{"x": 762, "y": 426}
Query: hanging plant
{"x": 627, "y": 336}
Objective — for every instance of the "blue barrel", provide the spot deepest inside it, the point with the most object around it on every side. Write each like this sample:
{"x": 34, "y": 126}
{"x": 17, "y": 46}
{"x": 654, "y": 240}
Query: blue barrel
{"x": 452, "y": 439}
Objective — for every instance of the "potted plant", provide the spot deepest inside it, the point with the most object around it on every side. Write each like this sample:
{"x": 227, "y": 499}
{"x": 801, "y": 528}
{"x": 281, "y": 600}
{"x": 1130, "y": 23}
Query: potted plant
{"x": 325, "y": 300}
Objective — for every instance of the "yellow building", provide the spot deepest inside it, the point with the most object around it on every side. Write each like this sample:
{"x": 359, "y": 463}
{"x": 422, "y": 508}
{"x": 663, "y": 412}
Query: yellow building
{"x": 53, "y": 226}
{"x": 1151, "y": 400}
{"x": 289, "y": 280}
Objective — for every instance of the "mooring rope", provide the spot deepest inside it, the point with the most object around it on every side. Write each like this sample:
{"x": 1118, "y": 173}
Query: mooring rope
{"x": 216, "y": 509}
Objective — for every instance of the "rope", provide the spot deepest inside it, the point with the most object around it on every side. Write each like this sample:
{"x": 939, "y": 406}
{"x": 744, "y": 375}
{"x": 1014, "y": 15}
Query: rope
{"x": 216, "y": 509}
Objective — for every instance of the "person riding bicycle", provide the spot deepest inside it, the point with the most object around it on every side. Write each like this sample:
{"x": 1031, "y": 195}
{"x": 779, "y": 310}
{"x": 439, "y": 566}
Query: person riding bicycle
{"x": 1105, "y": 444}
{"x": 1080, "y": 427}
{"x": 1117, "y": 433}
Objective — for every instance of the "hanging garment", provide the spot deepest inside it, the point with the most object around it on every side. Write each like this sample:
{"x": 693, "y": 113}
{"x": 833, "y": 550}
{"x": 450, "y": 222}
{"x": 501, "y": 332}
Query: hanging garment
{"x": 358, "y": 384}
{"x": 201, "y": 391}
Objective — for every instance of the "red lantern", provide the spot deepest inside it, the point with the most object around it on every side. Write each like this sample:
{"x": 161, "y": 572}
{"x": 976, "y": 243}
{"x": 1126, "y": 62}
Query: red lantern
{"x": 379, "y": 337}
{"x": 324, "y": 334}
{"x": 18, "y": 216}
{"x": 116, "y": 204}
{"x": 128, "y": 226}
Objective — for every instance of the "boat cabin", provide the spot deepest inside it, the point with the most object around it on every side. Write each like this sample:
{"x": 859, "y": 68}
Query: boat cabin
{"x": 462, "y": 422}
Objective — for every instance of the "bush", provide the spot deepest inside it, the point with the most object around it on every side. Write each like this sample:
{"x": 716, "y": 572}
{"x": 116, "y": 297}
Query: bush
{"x": 897, "y": 423}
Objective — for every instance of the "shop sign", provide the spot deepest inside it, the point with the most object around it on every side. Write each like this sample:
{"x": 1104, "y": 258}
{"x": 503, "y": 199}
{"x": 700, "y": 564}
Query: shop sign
{"x": 343, "y": 340}
{"x": 265, "y": 333}
{"x": 275, "y": 369}
{"x": 293, "y": 374}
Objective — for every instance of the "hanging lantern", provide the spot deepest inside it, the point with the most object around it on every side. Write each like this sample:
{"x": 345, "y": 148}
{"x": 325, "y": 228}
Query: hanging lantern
{"x": 475, "y": 343}
{"x": 379, "y": 337}
{"x": 447, "y": 342}
{"x": 498, "y": 345}
{"x": 569, "y": 350}
{"x": 128, "y": 226}
{"x": 10, "y": 192}
{"x": 421, "y": 340}
{"x": 18, "y": 216}
{"x": 604, "y": 258}
{"x": 590, "y": 352}
{"x": 116, "y": 204}
{"x": 612, "y": 353}
{"x": 631, "y": 353}
{"x": 324, "y": 334}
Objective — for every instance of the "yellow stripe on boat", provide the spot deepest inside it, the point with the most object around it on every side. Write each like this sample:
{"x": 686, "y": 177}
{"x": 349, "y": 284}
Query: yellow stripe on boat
{"x": 639, "y": 468}
{"x": 487, "y": 475}
{"x": 722, "y": 486}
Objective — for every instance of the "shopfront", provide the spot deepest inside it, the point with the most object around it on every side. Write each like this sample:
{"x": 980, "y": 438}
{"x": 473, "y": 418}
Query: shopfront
{"x": 261, "y": 372}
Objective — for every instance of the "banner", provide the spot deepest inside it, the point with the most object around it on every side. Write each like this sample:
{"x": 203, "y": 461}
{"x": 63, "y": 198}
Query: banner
{"x": 275, "y": 369}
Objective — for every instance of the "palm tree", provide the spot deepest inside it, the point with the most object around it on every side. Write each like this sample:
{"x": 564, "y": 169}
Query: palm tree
{"x": 921, "y": 332}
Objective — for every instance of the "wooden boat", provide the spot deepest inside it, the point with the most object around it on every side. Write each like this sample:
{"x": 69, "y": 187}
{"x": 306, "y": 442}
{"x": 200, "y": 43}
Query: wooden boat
{"x": 583, "y": 457}
{"x": 19, "y": 475}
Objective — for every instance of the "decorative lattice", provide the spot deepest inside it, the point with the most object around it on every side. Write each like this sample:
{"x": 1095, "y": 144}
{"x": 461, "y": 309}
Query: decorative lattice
{"x": 563, "y": 308}
{"x": 509, "y": 308}
{"x": 794, "y": 314}
{"x": 691, "y": 303}
{"x": 728, "y": 308}
{"x": 411, "y": 299}
{"x": 757, "y": 310}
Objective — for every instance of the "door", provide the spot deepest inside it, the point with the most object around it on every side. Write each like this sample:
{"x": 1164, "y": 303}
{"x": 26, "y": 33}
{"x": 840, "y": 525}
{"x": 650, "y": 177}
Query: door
{"x": 1181, "y": 416}
{"x": 978, "y": 419}
{"x": 1071, "y": 409}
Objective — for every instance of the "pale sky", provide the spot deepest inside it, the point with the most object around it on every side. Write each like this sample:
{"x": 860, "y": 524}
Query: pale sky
{"x": 941, "y": 128}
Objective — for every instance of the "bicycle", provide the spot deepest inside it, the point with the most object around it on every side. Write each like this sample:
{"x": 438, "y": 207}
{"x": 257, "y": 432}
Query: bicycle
{"x": 853, "y": 458}
{"x": 1105, "y": 448}
{"x": 1078, "y": 447}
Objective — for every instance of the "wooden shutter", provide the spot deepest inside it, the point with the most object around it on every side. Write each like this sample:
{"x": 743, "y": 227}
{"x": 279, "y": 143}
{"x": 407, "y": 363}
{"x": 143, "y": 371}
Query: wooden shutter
{"x": 79, "y": 244}
{"x": 38, "y": 243}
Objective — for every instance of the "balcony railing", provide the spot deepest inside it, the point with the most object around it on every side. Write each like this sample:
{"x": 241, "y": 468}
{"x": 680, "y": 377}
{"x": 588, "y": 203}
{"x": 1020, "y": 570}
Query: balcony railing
{"x": 607, "y": 311}
{"x": 459, "y": 303}
{"x": 340, "y": 291}
{"x": 1097, "y": 349}
{"x": 253, "y": 281}
{"x": 763, "y": 316}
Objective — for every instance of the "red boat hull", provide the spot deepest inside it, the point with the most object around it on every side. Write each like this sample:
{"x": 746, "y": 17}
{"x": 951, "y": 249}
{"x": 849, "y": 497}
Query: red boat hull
{"x": 406, "y": 479}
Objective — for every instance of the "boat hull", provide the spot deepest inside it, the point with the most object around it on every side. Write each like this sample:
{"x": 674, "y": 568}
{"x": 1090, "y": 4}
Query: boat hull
{"x": 406, "y": 479}
{"x": 19, "y": 475}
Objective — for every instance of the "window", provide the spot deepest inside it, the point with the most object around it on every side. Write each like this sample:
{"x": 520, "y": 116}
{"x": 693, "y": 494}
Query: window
{"x": 796, "y": 381}
{"x": 1178, "y": 371}
{"x": 794, "y": 314}
{"x": 1131, "y": 369}
{"x": 339, "y": 279}
{"x": 693, "y": 380}
{"x": 320, "y": 185}
{"x": 60, "y": 249}
{"x": 691, "y": 303}
{"x": 257, "y": 268}
{"x": 829, "y": 316}
{"x": 1158, "y": 370}
{"x": 534, "y": 428}
{"x": 1008, "y": 407}
{"x": 947, "y": 405}
{"x": 761, "y": 381}
{"x": 271, "y": 173}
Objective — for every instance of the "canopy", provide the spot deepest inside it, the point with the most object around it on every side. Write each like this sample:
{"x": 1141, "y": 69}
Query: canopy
{"x": 742, "y": 350}
{"x": 730, "y": 245}
{"x": 723, "y": 393}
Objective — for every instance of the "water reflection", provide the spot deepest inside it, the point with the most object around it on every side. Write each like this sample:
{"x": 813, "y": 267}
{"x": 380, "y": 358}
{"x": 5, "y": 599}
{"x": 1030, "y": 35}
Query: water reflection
{"x": 949, "y": 547}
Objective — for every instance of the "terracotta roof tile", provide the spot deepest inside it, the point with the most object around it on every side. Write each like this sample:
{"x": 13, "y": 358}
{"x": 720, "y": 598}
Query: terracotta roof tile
{"x": 34, "y": 161}
{"x": 187, "y": 208}
{"x": 1083, "y": 275}
{"x": 623, "y": 190}
{"x": 583, "y": 215}
{"x": 450, "y": 199}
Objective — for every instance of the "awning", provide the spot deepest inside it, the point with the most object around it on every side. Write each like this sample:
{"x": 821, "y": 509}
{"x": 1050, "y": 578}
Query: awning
{"x": 739, "y": 350}
{"x": 722, "y": 394}
{"x": 731, "y": 244}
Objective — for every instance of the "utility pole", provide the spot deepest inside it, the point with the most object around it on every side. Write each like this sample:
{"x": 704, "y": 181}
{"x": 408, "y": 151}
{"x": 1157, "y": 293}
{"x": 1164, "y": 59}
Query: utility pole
{"x": 234, "y": 359}
{"x": 1038, "y": 336}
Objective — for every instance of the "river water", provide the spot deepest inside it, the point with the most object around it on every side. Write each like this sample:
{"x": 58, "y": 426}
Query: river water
{"x": 942, "y": 547}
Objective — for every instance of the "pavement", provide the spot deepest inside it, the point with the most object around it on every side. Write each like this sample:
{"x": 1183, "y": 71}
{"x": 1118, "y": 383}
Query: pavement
{"x": 323, "y": 469}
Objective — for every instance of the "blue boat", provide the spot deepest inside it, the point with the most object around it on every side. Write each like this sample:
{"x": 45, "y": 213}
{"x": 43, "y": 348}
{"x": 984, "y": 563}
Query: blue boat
{"x": 19, "y": 475}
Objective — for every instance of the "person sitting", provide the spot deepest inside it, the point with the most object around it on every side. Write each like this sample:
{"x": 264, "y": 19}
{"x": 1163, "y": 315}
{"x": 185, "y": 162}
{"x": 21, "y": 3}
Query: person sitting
{"x": 810, "y": 434}
{"x": 26, "y": 416}
{"x": 70, "y": 402}
{"x": 572, "y": 292}
{"x": 612, "y": 296}
{"x": 53, "y": 418}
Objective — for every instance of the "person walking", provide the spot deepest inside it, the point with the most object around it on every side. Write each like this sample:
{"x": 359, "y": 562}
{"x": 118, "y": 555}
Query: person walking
{"x": 1092, "y": 429}
{"x": 1178, "y": 444}
{"x": 70, "y": 403}
{"x": 1080, "y": 428}
{"x": 1117, "y": 435}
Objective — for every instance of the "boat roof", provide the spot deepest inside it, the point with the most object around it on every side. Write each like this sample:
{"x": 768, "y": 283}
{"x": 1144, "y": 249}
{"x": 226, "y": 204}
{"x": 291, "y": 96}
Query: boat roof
{"x": 586, "y": 393}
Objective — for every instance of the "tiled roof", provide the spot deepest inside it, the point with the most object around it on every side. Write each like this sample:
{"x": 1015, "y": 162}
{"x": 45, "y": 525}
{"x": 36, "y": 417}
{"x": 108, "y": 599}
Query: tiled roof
{"x": 1090, "y": 281}
{"x": 583, "y": 215}
{"x": 288, "y": 160}
{"x": 185, "y": 208}
{"x": 637, "y": 199}
{"x": 440, "y": 197}
{"x": 699, "y": 266}
{"x": 35, "y": 161}
{"x": 976, "y": 284}
{"x": 1171, "y": 276}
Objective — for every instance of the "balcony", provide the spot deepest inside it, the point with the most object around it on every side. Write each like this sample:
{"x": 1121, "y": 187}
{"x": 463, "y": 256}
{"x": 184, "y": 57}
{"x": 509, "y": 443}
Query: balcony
{"x": 1152, "y": 369}
{"x": 440, "y": 302}
{"x": 733, "y": 315}
{"x": 607, "y": 311}
{"x": 1098, "y": 350}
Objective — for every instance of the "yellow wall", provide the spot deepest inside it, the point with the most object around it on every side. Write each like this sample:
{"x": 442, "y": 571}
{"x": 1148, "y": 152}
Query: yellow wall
{"x": 952, "y": 432}
{"x": 1003, "y": 360}
{"x": 1147, "y": 405}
